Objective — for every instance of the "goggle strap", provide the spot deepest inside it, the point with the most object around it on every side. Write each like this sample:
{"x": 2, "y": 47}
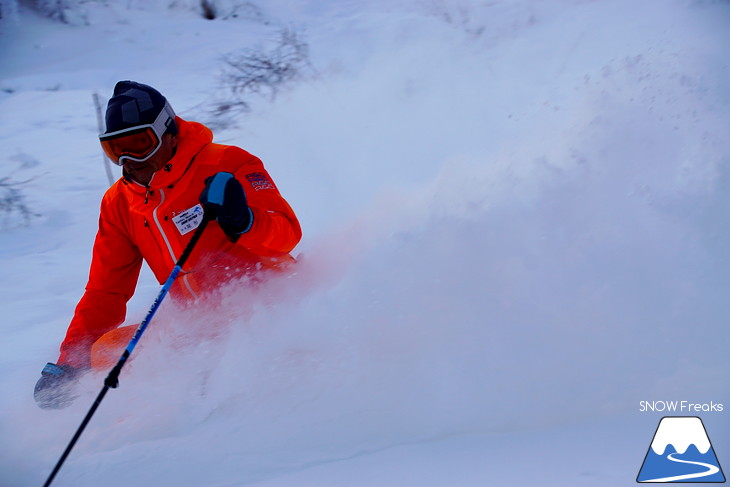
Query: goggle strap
{"x": 160, "y": 121}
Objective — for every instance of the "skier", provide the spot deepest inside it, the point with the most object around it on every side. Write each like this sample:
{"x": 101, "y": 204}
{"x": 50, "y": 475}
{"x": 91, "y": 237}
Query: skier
{"x": 169, "y": 165}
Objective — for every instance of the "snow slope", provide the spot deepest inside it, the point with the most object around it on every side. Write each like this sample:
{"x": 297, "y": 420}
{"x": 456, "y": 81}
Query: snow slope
{"x": 515, "y": 231}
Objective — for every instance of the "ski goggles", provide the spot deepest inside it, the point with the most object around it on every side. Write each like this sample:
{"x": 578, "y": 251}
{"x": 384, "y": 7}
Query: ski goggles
{"x": 138, "y": 143}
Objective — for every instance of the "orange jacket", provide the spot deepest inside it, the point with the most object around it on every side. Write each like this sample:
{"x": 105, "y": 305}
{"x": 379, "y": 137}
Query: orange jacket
{"x": 153, "y": 223}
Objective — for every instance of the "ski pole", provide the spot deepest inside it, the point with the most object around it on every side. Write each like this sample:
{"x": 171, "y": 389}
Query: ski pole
{"x": 112, "y": 380}
{"x": 100, "y": 126}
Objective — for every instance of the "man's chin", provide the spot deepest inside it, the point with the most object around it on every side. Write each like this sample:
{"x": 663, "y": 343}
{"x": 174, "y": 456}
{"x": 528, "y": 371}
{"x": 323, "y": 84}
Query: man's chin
{"x": 141, "y": 175}
{"x": 135, "y": 166}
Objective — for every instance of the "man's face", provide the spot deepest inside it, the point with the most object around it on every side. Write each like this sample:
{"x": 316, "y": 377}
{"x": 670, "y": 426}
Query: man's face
{"x": 142, "y": 172}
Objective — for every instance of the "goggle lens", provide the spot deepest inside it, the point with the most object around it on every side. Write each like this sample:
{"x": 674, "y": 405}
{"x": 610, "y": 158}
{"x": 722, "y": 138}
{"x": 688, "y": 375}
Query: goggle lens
{"x": 137, "y": 144}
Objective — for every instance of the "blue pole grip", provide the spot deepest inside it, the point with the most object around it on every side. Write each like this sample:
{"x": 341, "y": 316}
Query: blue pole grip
{"x": 217, "y": 188}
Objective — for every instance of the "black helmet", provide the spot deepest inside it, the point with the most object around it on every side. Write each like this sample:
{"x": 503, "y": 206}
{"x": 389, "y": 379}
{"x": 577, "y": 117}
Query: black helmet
{"x": 135, "y": 104}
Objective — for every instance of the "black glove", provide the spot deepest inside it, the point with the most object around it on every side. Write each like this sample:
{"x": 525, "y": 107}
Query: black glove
{"x": 55, "y": 388}
{"x": 223, "y": 199}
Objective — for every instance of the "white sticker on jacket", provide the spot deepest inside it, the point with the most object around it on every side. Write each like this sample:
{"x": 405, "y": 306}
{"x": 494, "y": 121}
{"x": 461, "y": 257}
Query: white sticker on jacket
{"x": 188, "y": 220}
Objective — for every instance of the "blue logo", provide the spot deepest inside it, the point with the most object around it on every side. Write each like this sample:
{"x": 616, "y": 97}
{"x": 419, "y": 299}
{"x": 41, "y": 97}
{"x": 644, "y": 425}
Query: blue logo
{"x": 681, "y": 452}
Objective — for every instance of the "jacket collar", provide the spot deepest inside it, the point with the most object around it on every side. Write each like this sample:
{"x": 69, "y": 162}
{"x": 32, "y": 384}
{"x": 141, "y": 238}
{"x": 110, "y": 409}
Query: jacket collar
{"x": 191, "y": 139}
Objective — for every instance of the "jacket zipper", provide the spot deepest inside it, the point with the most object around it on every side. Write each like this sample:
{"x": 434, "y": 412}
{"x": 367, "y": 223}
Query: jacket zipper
{"x": 169, "y": 246}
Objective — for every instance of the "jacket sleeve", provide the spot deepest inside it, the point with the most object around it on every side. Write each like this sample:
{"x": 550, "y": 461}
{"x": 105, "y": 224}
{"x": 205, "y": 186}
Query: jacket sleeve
{"x": 115, "y": 267}
{"x": 275, "y": 230}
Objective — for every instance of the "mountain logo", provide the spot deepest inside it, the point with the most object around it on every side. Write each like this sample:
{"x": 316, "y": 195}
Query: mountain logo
{"x": 681, "y": 452}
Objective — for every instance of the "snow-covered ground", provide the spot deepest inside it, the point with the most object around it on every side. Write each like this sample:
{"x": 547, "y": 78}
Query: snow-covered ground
{"x": 516, "y": 219}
